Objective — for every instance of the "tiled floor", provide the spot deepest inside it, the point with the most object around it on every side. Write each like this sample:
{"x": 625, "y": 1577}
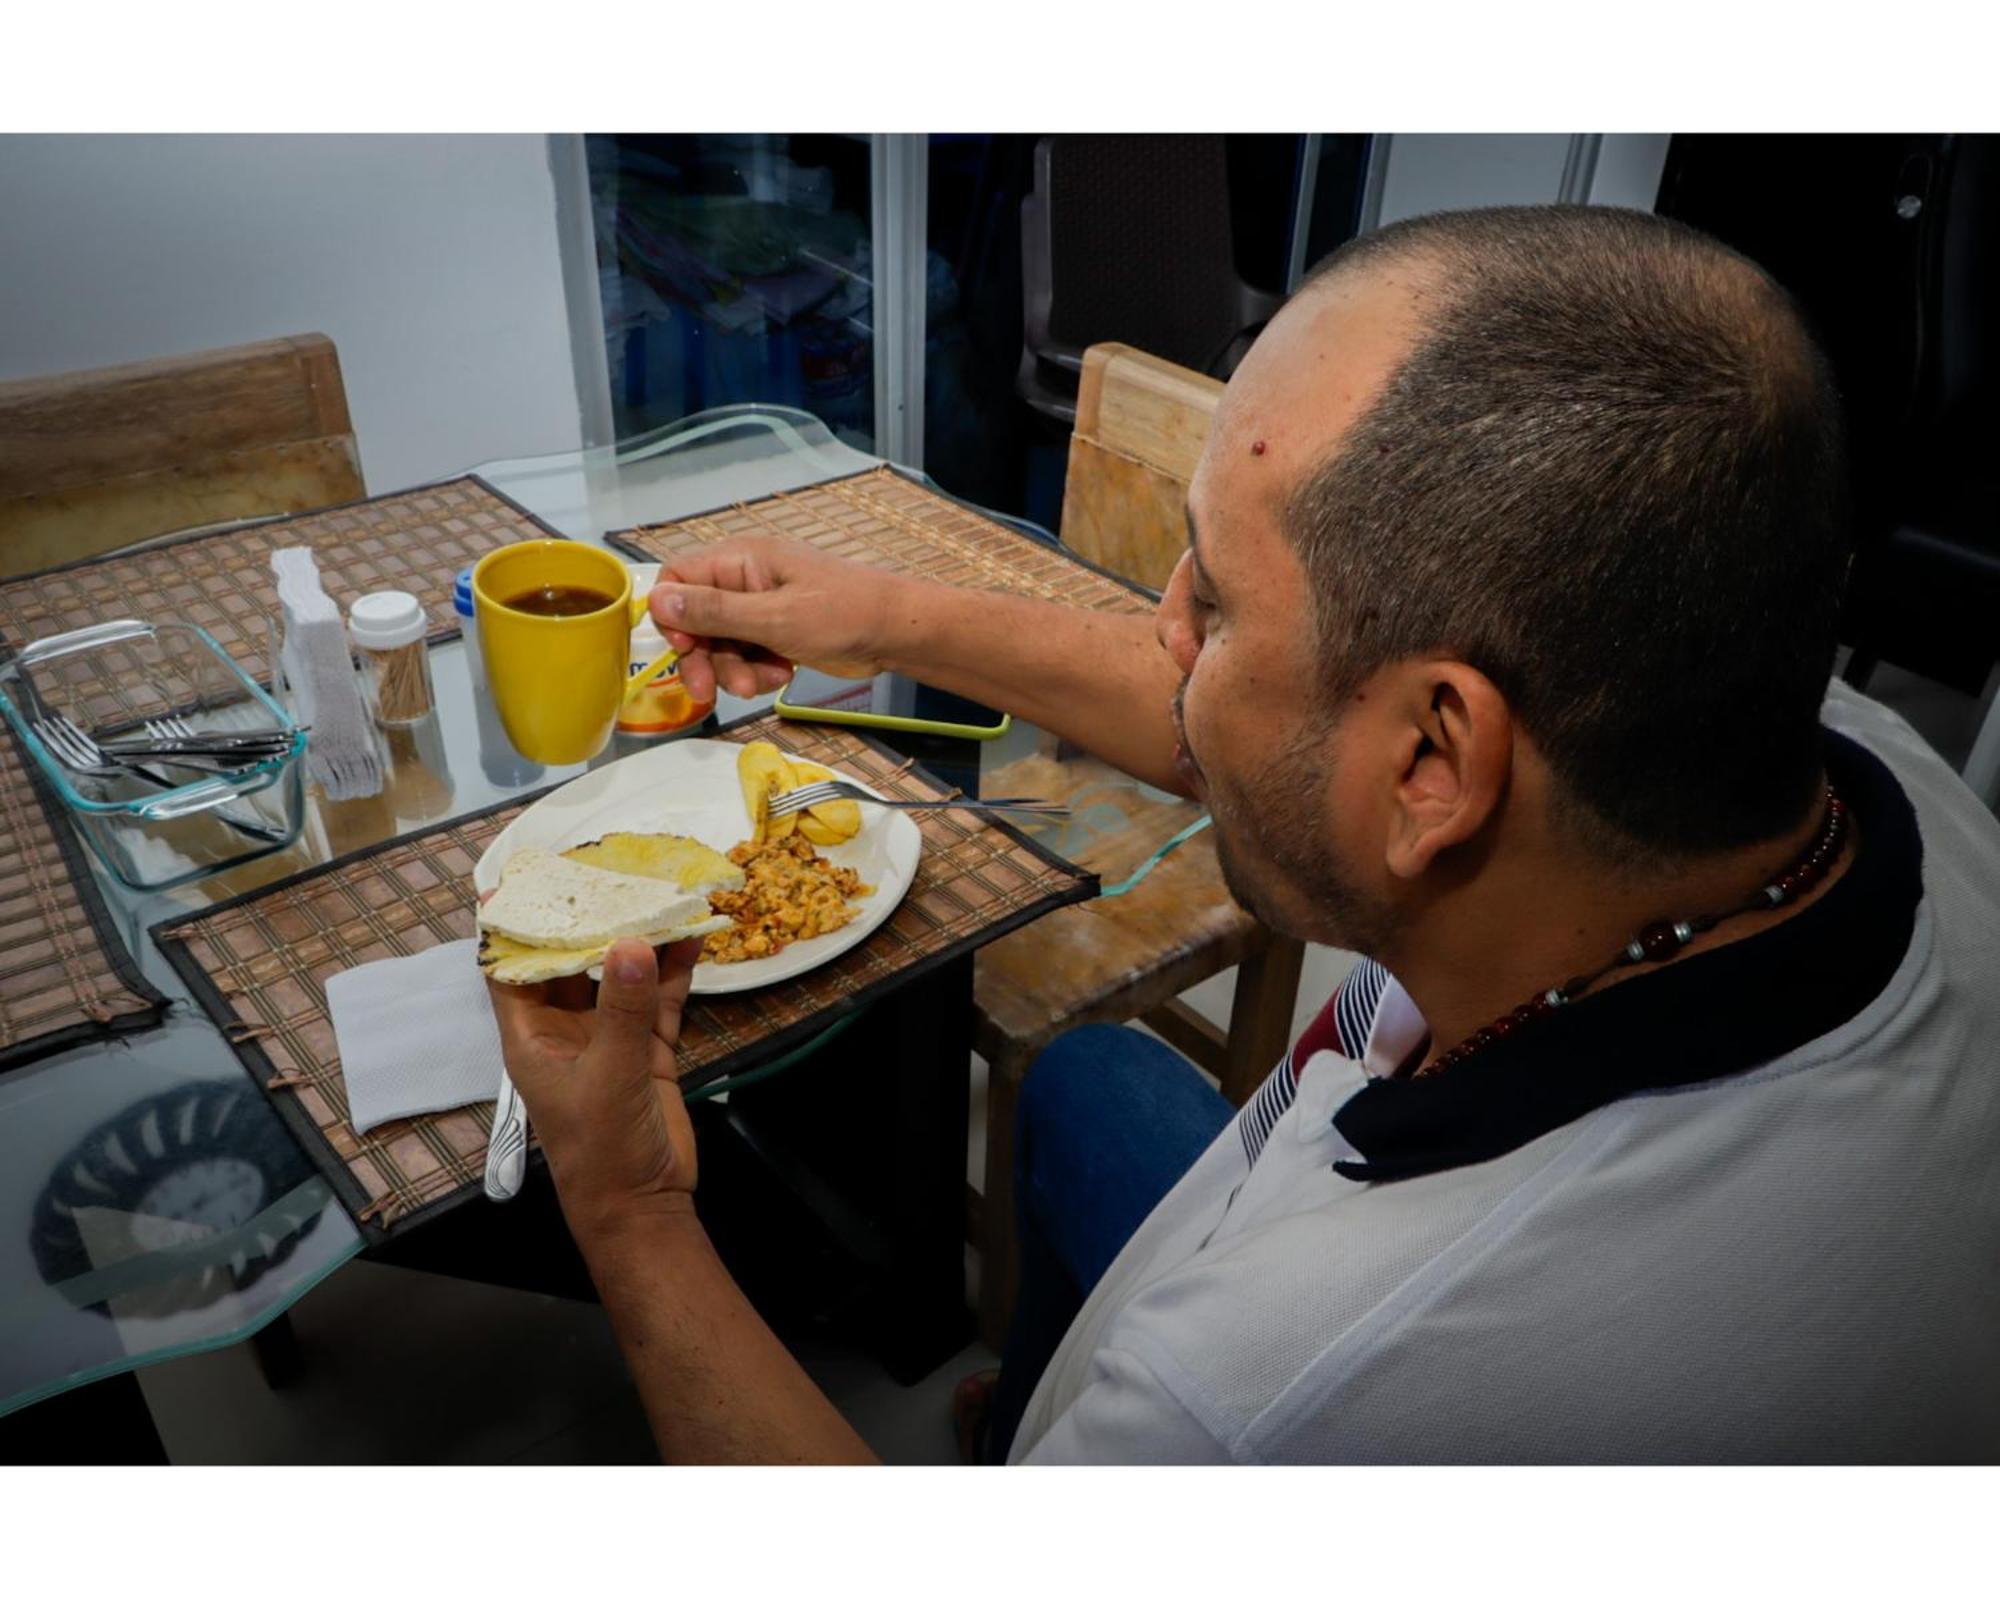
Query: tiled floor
{"x": 403, "y": 1367}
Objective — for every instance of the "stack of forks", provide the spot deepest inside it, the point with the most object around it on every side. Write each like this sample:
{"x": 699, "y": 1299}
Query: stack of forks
{"x": 170, "y": 744}
{"x": 169, "y": 741}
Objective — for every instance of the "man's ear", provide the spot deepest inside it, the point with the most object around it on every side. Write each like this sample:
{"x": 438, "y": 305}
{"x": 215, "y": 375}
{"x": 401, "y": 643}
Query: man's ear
{"x": 1455, "y": 748}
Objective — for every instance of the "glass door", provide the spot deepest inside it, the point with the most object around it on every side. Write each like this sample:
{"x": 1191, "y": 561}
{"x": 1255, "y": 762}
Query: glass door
{"x": 736, "y": 268}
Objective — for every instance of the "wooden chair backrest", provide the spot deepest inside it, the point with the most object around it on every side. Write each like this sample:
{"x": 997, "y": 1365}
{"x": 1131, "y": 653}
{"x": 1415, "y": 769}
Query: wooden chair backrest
{"x": 93, "y": 461}
{"x": 1141, "y": 423}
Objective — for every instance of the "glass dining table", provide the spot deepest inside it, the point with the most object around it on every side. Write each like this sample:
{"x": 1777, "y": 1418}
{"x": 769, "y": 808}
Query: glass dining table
{"x": 152, "y": 1204}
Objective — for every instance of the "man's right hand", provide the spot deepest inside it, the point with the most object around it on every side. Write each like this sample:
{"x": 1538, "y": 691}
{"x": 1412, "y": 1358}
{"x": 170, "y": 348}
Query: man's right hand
{"x": 743, "y": 612}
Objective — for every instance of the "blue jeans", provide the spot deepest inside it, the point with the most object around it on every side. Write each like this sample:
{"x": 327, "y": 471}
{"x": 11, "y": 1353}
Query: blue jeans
{"x": 1109, "y": 1120}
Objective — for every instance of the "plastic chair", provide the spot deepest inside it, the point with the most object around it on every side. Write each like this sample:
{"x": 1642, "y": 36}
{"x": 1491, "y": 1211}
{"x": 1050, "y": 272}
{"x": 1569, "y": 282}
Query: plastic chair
{"x": 1891, "y": 244}
{"x": 1926, "y": 586}
{"x": 1126, "y": 238}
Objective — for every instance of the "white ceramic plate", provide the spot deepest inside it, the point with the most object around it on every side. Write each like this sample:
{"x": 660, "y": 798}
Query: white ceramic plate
{"x": 689, "y": 787}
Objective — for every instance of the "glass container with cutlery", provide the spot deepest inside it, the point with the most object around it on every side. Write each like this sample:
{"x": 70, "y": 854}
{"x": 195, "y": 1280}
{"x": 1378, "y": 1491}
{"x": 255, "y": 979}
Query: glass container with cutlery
{"x": 171, "y": 761}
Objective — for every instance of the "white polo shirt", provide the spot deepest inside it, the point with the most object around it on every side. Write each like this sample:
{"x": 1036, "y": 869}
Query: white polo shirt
{"x": 1743, "y": 1208}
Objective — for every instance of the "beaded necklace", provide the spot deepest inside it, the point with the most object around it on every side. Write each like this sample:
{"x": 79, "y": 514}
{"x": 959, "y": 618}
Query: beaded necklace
{"x": 1662, "y": 941}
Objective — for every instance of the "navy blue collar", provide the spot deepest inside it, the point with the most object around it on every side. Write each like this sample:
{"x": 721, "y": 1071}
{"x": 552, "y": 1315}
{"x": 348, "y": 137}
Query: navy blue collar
{"x": 1708, "y": 1016}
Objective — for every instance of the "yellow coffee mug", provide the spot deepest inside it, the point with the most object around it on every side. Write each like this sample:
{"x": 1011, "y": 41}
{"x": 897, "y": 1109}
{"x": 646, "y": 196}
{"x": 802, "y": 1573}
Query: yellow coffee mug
{"x": 558, "y": 681}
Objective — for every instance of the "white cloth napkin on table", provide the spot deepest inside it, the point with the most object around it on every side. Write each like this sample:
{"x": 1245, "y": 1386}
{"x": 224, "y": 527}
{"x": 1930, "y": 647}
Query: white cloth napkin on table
{"x": 416, "y": 1034}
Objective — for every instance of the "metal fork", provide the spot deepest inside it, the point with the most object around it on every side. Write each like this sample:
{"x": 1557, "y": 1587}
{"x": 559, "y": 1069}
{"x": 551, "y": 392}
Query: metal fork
{"x": 819, "y": 793}
{"x": 507, "y": 1147}
{"x": 175, "y": 736}
{"x": 74, "y": 748}
{"x": 77, "y": 750}
{"x": 80, "y": 752}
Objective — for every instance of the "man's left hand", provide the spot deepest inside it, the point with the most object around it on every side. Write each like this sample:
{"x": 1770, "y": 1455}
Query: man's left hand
{"x": 599, "y": 1083}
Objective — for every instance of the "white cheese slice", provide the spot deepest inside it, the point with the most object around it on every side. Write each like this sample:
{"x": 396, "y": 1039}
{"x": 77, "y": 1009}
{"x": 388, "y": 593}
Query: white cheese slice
{"x": 553, "y": 903}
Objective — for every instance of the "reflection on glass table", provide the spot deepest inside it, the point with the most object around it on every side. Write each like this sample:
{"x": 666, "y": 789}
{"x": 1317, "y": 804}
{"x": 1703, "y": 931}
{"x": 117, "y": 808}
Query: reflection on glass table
{"x": 151, "y": 1203}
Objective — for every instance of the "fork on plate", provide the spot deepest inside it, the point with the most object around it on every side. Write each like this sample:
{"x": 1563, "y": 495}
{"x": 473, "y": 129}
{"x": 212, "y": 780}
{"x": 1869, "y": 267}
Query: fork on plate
{"x": 819, "y": 793}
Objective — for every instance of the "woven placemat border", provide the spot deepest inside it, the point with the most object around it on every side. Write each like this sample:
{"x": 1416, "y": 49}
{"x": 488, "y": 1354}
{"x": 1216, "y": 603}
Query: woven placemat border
{"x": 625, "y": 540}
{"x": 203, "y": 535}
{"x": 124, "y": 966}
{"x": 75, "y": 855}
{"x": 215, "y": 1005}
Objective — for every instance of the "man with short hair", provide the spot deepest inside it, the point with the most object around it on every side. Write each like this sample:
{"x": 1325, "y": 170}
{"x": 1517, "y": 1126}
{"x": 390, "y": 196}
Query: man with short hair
{"x": 1657, "y": 1121}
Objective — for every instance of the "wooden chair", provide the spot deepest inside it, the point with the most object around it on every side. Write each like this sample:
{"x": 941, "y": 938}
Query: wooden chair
{"x": 94, "y": 461}
{"x": 1140, "y": 426}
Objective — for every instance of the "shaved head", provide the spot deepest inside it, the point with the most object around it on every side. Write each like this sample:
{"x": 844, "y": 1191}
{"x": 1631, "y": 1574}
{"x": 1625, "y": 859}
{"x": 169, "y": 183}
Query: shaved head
{"x": 1597, "y": 456}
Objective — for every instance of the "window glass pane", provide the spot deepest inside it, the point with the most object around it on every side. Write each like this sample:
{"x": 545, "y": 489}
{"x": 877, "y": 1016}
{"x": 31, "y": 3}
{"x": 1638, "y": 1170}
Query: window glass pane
{"x": 734, "y": 268}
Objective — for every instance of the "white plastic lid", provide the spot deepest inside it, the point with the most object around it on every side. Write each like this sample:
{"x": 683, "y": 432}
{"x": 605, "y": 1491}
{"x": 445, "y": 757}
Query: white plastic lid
{"x": 387, "y": 620}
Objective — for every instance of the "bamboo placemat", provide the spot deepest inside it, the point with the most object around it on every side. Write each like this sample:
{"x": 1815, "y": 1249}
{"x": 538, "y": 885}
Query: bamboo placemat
{"x": 65, "y": 976}
{"x": 259, "y": 964}
{"x": 418, "y": 540}
{"x": 881, "y": 518}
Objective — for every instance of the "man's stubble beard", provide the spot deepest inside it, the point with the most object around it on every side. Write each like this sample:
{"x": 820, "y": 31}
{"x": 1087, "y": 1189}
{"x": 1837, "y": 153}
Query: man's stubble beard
{"x": 1269, "y": 837}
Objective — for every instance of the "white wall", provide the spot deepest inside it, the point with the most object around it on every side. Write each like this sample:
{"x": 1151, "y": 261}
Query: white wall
{"x": 431, "y": 261}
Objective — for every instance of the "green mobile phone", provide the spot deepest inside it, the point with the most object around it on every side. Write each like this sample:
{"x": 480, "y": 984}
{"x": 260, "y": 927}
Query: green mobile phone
{"x": 886, "y": 701}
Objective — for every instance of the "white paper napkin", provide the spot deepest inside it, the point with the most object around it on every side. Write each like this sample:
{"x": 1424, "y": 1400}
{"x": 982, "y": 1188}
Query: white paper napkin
{"x": 415, "y": 1034}
{"x": 340, "y": 753}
